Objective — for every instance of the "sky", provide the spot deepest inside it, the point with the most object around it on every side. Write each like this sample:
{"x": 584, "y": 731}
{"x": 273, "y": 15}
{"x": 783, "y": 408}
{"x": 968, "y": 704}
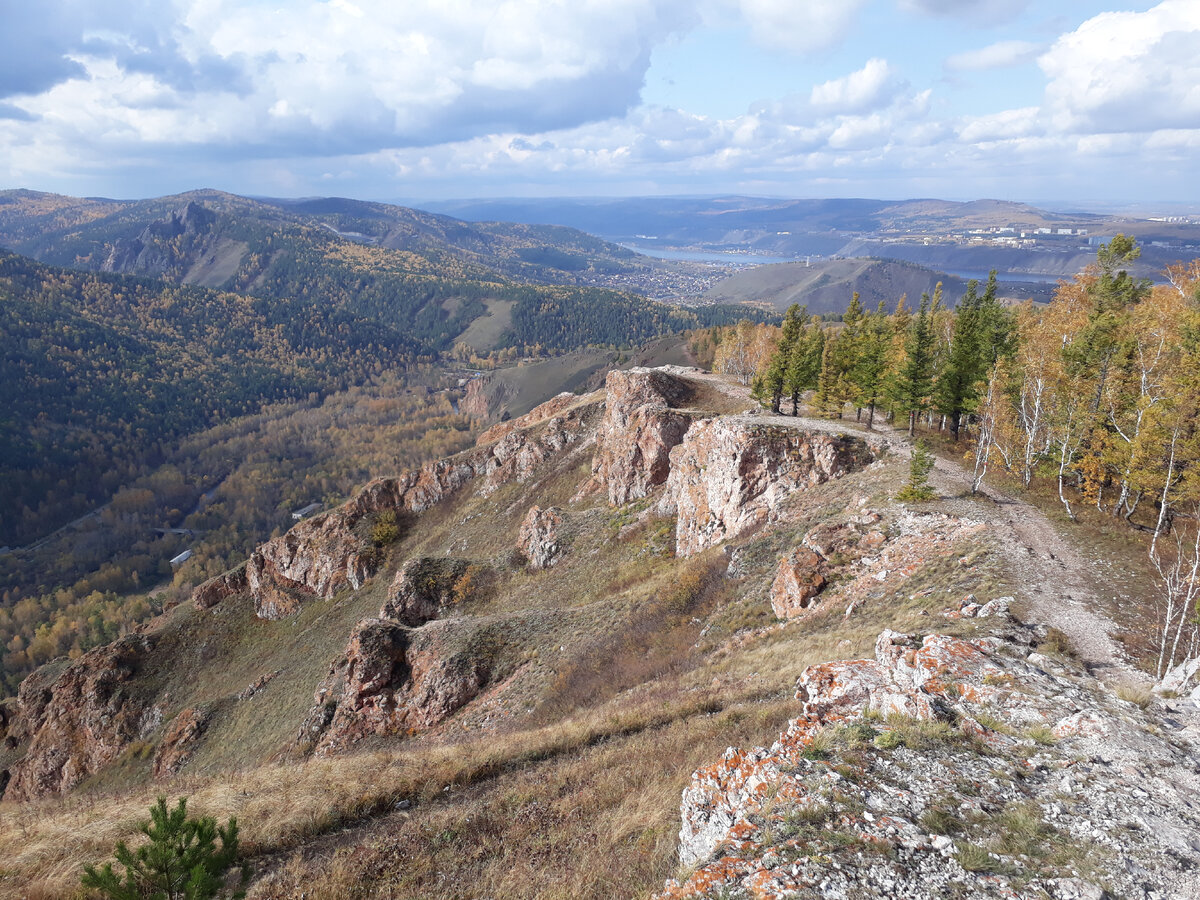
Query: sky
{"x": 1067, "y": 100}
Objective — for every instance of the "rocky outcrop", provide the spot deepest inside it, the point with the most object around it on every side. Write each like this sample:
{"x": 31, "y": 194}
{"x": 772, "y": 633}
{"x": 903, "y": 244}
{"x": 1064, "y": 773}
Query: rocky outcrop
{"x": 422, "y": 589}
{"x": 220, "y": 587}
{"x": 729, "y": 476}
{"x": 831, "y": 547}
{"x": 156, "y": 250}
{"x": 541, "y": 538}
{"x": 392, "y": 680}
{"x": 797, "y": 583}
{"x": 553, "y": 407}
{"x": 948, "y": 766}
{"x": 333, "y": 551}
{"x": 639, "y": 428}
{"x": 179, "y": 742}
{"x": 81, "y": 720}
{"x": 475, "y": 402}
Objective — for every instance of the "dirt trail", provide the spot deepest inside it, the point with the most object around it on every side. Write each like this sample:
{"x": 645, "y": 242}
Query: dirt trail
{"x": 1056, "y": 583}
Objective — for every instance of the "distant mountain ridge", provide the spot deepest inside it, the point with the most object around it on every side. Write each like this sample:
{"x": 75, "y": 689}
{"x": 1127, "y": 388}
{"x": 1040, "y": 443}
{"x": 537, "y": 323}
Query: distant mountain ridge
{"x": 170, "y": 236}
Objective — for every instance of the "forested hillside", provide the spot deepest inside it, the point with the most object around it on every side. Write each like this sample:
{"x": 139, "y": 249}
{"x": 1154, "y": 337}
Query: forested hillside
{"x": 1097, "y": 394}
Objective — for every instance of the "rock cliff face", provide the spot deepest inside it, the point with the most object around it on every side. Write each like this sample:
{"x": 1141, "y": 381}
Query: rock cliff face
{"x": 179, "y": 742}
{"x": 639, "y": 428}
{"x": 948, "y": 766}
{"x": 80, "y": 721}
{"x": 729, "y": 476}
{"x": 392, "y": 680}
{"x": 422, "y": 589}
{"x": 220, "y": 587}
{"x": 329, "y": 552}
{"x": 541, "y": 538}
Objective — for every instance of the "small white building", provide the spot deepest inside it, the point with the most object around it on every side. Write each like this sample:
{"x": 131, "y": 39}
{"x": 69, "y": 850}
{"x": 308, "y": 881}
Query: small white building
{"x": 305, "y": 511}
{"x": 182, "y": 558}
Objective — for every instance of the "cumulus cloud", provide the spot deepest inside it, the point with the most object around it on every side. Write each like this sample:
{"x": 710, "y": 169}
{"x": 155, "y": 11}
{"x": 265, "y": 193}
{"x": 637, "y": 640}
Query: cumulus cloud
{"x": 1127, "y": 71}
{"x": 800, "y": 27}
{"x": 999, "y": 55}
{"x": 872, "y": 86}
{"x": 335, "y": 76}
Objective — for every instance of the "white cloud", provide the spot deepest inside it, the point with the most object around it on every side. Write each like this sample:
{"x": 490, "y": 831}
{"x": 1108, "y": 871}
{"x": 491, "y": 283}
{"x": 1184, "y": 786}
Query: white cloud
{"x": 999, "y": 55}
{"x": 1127, "y": 72}
{"x": 1007, "y": 125}
{"x": 872, "y": 86}
{"x": 800, "y": 27}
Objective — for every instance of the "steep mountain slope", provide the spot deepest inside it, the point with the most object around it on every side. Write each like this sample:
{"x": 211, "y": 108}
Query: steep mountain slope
{"x": 496, "y": 674}
{"x": 827, "y": 286}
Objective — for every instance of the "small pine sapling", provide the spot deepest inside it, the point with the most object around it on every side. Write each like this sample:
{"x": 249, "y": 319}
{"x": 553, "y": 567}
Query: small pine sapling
{"x": 181, "y": 861}
{"x": 918, "y": 487}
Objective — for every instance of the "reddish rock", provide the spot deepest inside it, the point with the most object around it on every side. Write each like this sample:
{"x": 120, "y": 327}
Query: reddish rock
{"x": 540, "y": 538}
{"x": 729, "y": 476}
{"x": 392, "y": 680}
{"x": 179, "y": 742}
{"x": 422, "y": 589}
{"x": 553, "y": 407}
{"x": 639, "y": 428}
{"x": 81, "y": 720}
{"x": 216, "y": 589}
{"x": 797, "y": 583}
{"x": 475, "y": 402}
{"x": 332, "y": 551}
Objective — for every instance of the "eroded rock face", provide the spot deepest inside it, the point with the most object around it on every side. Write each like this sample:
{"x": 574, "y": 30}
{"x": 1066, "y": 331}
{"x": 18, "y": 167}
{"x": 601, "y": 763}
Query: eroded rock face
{"x": 797, "y": 583}
{"x": 729, "y": 476}
{"x": 179, "y": 742}
{"x": 392, "y": 680}
{"x": 852, "y": 816}
{"x": 639, "y": 428}
{"x": 220, "y": 587}
{"x": 540, "y": 413}
{"x": 80, "y": 721}
{"x": 541, "y": 538}
{"x": 422, "y": 589}
{"x": 332, "y": 551}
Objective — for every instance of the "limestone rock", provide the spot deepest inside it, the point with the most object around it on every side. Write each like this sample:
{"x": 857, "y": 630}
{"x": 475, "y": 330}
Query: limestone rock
{"x": 553, "y": 407}
{"x": 332, "y": 551}
{"x": 540, "y": 538}
{"x": 868, "y": 832}
{"x": 220, "y": 587}
{"x": 729, "y": 476}
{"x": 81, "y": 720}
{"x": 639, "y": 428}
{"x": 392, "y": 680}
{"x": 797, "y": 583}
{"x": 179, "y": 742}
{"x": 422, "y": 589}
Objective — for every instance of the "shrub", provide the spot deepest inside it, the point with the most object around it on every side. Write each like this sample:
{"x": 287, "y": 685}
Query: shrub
{"x": 385, "y": 530}
{"x": 180, "y": 861}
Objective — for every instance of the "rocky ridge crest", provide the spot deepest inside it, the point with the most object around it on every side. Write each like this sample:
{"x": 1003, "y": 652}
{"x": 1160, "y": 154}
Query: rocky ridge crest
{"x": 949, "y": 766}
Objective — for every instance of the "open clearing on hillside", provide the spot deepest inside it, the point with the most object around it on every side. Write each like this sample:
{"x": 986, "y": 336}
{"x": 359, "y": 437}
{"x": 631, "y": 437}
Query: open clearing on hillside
{"x": 485, "y": 332}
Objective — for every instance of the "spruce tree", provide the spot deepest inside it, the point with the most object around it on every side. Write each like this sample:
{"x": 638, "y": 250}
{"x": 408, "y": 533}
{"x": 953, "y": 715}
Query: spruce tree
{"x": 873, "y": 360}
{"x": 914, "y": 381}
{"x": 804, "y": 367}
{"x": 957, "y": 387}
{"x": 774, "y": 381}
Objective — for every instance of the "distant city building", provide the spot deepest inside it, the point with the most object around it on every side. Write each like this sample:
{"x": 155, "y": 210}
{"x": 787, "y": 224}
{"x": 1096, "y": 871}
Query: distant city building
{"x": 306, "y": 511}
{"x": 182, "y": 558}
